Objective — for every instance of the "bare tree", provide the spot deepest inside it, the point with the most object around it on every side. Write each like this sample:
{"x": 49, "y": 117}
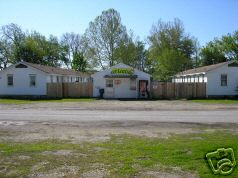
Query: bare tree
{"x": 11, "y": 37}
{"x": 13, "y": 34}
{"x": 102, "y": 37}
{"x": 73, "y": 42}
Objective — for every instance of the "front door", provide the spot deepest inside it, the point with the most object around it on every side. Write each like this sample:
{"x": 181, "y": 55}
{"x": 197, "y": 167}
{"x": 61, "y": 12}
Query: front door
{"x": 109, "y": 90}
{"x": 143, "y": 92}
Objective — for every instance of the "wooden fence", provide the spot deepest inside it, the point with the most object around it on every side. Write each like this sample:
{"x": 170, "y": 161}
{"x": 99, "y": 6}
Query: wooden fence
{"x": 55, "y": 90}
{"x": 161, "y": 90}
{"x": 69, "y": 90}
{"x": 158, "y": 90}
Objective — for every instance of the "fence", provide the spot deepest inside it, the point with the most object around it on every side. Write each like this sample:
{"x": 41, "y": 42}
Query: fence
{"x": 69, "y": 90}
{"x": 159, "y": 90}
{"x": 178, "y": 90}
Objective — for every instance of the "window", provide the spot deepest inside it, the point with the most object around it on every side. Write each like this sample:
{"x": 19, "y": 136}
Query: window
{"x": 57, "y": 79}
{"x": 132, "y": 84}
{"x": 51, "y": 79}
{"x": 32, "y": 80}
{"x": 223, "y": 79}
{"x": 10, "y": 80}
{"x": 109, "y": 83}
{"x": 77, "y": 79}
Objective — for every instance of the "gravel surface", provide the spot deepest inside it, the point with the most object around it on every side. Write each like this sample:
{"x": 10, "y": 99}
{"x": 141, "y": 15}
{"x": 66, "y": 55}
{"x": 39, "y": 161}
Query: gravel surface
{"x": 96, "y": 121}
{"x": 117, "y": 105}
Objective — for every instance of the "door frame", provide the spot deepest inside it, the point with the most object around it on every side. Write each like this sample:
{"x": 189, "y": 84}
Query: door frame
{"x": 107, "y": 88}
{"x": 146, "y": 90}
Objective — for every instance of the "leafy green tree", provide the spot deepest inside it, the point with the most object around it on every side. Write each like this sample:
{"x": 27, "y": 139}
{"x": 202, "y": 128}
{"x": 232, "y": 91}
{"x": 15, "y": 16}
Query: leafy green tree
{"x": 37, "y": 49}
{"x": 170, "y": 49}
{"x": 213, "y": 53}
{"x": 196, "y": 57}
{"x": 16, "y": 45}
{"x": 102, "y": 37}
{"x": 126, "y": 51}
{"x": 142, "y": 56}
{"x": 4, "y": 54}
{"x": 170, "y": 62}
{"x": 132, "y": 53}
{"x": 230, "y": 46}
{"x": 79, "y": 63}
{"x": 221, "y": 50}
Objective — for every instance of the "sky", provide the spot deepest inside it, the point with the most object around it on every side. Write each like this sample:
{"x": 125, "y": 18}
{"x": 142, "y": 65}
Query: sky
{"x": 203, "y": 19}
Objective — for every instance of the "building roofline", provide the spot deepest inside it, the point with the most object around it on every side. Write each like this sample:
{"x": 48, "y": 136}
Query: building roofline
{"x": 203, "y": 69}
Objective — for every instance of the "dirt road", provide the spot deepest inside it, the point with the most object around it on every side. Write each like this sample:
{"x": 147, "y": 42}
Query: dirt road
{"x": 216, "y": 116}
{"x": 96, "y": 121}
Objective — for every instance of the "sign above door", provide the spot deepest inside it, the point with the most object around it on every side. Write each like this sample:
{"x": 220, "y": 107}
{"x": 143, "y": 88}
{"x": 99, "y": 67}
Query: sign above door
{"x": 126, "y": 71}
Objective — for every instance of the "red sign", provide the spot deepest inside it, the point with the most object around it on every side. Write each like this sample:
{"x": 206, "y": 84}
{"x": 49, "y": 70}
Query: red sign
{"x": 118, "y": 82}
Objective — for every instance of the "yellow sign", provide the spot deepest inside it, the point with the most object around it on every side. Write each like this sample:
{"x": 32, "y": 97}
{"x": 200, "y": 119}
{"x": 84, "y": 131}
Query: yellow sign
{"x": 128, "y": 71}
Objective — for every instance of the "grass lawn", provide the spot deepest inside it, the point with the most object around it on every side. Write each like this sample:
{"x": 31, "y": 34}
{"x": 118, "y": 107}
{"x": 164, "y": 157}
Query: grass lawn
{"x": 122, "y": 156}
{"x": 23, "y": 101}
{"x": 215, "y": 101}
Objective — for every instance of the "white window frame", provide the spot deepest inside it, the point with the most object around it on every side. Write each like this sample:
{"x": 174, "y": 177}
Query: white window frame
{"x": 10, "y": 75}
{"x": 109, "y": 83}
{"x": 77, "y": 79}
{"x": 30, "y": 84}
{"x": 225, "y": 84}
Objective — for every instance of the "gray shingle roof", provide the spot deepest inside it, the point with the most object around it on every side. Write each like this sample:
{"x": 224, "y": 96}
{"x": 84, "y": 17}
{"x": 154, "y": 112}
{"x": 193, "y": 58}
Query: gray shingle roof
{"x": 55, "y": 70}
{"x": 203, "y": 69}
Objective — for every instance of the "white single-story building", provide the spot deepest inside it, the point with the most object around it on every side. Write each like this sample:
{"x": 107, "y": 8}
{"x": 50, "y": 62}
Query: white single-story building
{"x": 221, "y": 79}
{"x": 28, "y": 79}
{"x": 121, "y": 81}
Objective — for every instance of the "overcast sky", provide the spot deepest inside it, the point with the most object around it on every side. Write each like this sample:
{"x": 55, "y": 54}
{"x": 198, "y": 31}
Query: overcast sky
{"x": 203, "y": 19}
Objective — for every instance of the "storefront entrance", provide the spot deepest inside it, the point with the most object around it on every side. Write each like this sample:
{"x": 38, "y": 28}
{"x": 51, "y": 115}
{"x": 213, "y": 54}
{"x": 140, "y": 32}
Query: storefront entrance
{"x": 121, "y": 81}
{"x": 121, "y": 88}
{"x": 109, "y": 89}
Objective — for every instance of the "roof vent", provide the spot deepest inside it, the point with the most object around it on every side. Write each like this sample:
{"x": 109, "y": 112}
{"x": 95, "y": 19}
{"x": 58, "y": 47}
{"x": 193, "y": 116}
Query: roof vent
{"x": 21, "y": 66}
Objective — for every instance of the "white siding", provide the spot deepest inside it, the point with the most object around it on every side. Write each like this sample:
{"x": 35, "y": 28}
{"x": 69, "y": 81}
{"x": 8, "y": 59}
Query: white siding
{"x": 214, "y": 81}
{"x": 21, "y": 82}
{"x": 123, "y": 89}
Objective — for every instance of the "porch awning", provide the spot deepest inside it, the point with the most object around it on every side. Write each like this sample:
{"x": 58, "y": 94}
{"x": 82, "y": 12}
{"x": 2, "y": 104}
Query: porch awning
{"x": 120, "y": 76}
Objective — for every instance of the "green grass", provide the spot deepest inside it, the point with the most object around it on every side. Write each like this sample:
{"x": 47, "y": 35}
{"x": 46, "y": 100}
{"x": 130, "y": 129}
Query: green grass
{"x": 123, "y": 156}
{"x": 216, "y": 101}
{"x": 24, "y": 101}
